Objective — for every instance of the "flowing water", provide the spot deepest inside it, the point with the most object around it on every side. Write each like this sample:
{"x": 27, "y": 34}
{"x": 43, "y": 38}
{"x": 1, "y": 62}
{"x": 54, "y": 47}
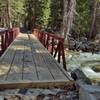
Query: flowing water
{"x": 87, "y": 62}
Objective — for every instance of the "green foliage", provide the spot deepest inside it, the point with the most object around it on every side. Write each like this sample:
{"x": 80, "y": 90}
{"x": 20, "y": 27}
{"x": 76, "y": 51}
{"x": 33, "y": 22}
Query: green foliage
{"x": 98, "y": 0}
{"x": 83, "y": 18}
{"x": 16, "y": 12}
{"x": 29, "y": 12}
{"x": 46, "y": 13}
{"x": 56, "y": 14}
{"x": 2, "y": 13}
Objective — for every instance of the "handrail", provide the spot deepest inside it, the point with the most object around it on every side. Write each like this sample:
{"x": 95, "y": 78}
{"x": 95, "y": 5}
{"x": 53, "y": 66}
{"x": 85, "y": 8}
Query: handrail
{"x": 7, "y": 36}
{"x": 54, "y": 44}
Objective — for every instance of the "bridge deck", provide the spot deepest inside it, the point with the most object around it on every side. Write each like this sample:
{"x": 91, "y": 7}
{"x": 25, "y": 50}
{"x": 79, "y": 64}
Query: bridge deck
{"x": 26, "y": 63}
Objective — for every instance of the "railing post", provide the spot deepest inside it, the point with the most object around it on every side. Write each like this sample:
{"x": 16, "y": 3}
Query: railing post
{"x": 2, "y": 43}
{"x": 63, "y": 56}
{"x": 6, "y": 39}
{"x": 52, "y": 46}
{"x": 59, "y": 52}
{"x": 48, "y": 40}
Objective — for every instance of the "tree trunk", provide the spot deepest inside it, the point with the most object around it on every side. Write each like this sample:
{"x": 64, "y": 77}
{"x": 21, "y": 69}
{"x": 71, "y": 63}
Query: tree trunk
{"x": 92, "y": 29}
{"x": 95, "y": 15}
{"x": 64, "y": 24}
{"x": 98, "y": 18}
{"x": 68, "y": 16}
{"x": 9, "y": 14}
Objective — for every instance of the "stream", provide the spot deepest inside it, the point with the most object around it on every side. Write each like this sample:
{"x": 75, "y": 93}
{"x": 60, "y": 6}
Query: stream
{"x": 88, "y": 63}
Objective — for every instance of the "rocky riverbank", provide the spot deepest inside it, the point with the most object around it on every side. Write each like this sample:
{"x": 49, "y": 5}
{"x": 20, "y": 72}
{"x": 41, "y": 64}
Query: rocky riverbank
{"x": 40, "y": 94}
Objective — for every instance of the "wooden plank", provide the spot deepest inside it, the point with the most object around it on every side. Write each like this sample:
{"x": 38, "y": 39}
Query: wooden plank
{"x": 58, "y": 66}
{"x": 8, "y": 57}
{"x": 36, "y": 84}
{"x": 30, "y": 65}
{"x": 16, "y": 68}
{"x": 29, "y": 70}
{"x": 22, "y": 68}
{"x": 57, "y": 74}
{"x": 42, "y": 68}
{"x": 6, "y": 60}
{"x": 50, "y": 61}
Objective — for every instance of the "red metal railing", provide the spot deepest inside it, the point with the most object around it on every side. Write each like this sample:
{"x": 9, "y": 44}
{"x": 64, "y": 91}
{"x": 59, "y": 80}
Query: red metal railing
{"x": 6, "y": 37}
{"x": 54, "y": 44}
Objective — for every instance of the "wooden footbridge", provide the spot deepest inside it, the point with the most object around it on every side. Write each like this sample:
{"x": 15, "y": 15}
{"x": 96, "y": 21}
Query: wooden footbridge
{"x": 26, "y": 63}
